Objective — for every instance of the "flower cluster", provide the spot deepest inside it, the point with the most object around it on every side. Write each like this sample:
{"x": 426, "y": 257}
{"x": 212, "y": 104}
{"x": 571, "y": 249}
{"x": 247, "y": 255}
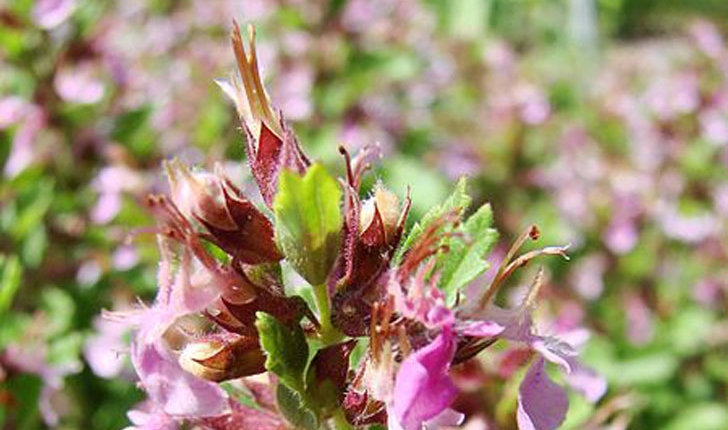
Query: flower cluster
{"x": 292, "y": 290}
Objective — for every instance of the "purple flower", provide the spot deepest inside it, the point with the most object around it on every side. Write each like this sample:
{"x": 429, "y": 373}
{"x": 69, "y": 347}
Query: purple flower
{"x": 423, "y": 389}
{"x": 542, "y": 405}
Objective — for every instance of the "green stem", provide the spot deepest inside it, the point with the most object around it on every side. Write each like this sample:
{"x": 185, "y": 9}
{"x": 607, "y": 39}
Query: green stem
{"x": 329, "y": 334}
{"x": 340, "y": 421}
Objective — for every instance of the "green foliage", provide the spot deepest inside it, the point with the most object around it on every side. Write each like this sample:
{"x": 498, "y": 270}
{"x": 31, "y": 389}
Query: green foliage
{"x": 286, "y": 352}
{"x": 458, "y": 201}
{"x": 295, "y": 409}
{"x": 10, "y": 276}
{"x": 701, "y": 416}
{"x": 285, "y": 348}
{"x": 465, "y": 259}
{"x": 308, "y": 221}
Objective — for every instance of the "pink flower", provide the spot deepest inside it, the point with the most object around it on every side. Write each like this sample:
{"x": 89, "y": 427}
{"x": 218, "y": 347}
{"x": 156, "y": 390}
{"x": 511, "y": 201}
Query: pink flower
{"x": 423, "y": 389}
{"x": 49, "y": 14}
{"x": 191, "y": 289}
{"x": 176, "y": 392}
{"x": 152, "y": 419}
{"x": 111, "y": 183}
{"x": 79, "y": 83}
{"x": 423, "y": 301}
{"x": 24, "y": 150}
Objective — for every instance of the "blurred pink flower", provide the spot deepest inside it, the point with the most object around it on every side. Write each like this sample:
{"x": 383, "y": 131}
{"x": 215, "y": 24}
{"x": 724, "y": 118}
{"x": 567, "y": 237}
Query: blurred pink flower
{"x": 12, "y": 109}
{"x": 534, "y": 108}
{"x": 105, "y": 350}
{"x": 685, "y": 228}
{"x": 89, "y": 272}
{"x": 459, "y": 159}
{"x": 49, "y": 14}
{"x": 111, "y": 182}
{"x": 587, "y": 278}
{"x": 31, "y": 358}
{"x": 125, "y": 257}
{"x": 31, "y": 119}
{"x": 640, "y": 327}
{"x": 293, "y": 93}
{"x": 621, "y": 235}
{"x": 714, "y": 127}
{"x": 708, "y": 38}
{"x": 79, "y": 83}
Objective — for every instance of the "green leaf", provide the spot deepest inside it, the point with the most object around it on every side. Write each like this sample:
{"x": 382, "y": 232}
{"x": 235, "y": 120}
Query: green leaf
{"x": 458, "y": 199}
{"x": 295, "y": 409}
{"x": 701, "y": 416}
{"x": 308, "y": 221}
{"x": 285, "y": 348}
{"x": 60, "y": 309}
{"x": 465, "y": 260}
{"x": 10, "y": 277}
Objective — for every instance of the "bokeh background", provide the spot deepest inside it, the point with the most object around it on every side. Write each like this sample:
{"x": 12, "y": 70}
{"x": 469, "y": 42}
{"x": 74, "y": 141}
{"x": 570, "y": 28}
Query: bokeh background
{"x": 604, "y": 122}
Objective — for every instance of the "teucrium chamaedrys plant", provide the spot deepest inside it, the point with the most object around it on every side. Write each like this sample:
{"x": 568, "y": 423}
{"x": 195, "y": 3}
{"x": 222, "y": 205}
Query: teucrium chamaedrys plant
{"x": 223, "y": 315}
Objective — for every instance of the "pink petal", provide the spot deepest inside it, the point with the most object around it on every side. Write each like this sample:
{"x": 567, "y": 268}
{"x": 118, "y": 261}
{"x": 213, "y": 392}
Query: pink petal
{"x": 423, "y": 389}
{"x": 556, "y": 351}
{"x": 175, "y": 391}
{"x": 542, "y": 405}
{"x": 480, "y": 328}
{"x": 586, "y": 381}
{"x": 447, "y": 418}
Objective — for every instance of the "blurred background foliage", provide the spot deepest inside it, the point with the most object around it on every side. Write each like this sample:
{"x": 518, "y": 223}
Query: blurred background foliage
{"x": 605, "y": 122}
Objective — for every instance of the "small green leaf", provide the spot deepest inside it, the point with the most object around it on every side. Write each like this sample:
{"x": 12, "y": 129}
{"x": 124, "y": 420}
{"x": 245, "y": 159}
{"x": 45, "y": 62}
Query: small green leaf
{"x": 60, "y": 309}
{"x": 10, "y": 276}
{"x": 458, "y": 199}
{"x": 285, "y": 348}
{"x": 308, "y": 221}
{"x": 295, "y": 409}
{"x": 465, "y": 260}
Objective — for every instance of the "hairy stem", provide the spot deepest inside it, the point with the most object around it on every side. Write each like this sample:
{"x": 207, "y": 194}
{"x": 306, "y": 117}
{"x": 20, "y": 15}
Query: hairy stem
{"x": 329, "y": 334}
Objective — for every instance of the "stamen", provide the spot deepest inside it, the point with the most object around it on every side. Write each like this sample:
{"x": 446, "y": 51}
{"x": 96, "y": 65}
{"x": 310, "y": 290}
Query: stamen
{"x": 533, "y": 233}
{"x": 349, "y": 171}
{"x": 533, "y": 291}
{"x": 405, "y": 347}
{"x": 374, "y": 343}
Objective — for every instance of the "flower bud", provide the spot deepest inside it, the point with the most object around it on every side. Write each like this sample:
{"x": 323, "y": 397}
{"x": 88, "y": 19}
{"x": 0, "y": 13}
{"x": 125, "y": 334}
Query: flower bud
{"x": 198, "y": 195}
{"x": 384, "y": 205}
{"x": 223, "y": 359}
